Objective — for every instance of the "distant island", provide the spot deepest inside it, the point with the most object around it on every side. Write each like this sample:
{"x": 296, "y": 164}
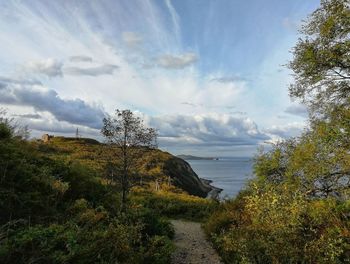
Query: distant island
{"x": 190, "y": 157}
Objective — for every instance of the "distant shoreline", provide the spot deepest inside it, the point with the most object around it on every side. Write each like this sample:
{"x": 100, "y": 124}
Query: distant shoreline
{"x": 190, "y": 157}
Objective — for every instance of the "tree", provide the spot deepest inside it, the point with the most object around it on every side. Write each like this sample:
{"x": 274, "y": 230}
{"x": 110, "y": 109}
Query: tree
{"x": 321, "y": 67}
{"x": 129, "y": 138}
{"x": 321, "y": 62}
{"x": 10, "y": 128}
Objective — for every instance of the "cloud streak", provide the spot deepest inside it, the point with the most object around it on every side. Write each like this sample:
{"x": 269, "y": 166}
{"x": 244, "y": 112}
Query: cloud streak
{"x": 7, "y": 80}
{"x": 105, "y": 69}
{"x": 80, "y": 58}
{"x": 227, "y": 79}
{"x": 181, "y": 61}
{"x": 175, "y": 18}
{"x": 132, "y": 39}
{"x": 29, "y": 116}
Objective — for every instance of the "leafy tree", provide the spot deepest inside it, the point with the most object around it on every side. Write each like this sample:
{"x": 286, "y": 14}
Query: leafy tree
{"x": 321, "y": 63}
{"x": 129, "y": 138}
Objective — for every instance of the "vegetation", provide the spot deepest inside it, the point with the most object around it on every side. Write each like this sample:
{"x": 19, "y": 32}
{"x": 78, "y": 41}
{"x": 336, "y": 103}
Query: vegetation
{"x": 321, "y": 63}
{"x": 297, "y": 209}
{"x": 175, "y": 204}
{"x": 58, "y": 212}
{"x": 129, "y": 139}
{"x": 65, "y": 201}
{"x": 58, "y": 204}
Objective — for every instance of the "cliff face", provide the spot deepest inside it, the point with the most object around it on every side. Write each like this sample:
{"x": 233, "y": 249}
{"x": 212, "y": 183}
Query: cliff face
{"x": 184, "y": 177}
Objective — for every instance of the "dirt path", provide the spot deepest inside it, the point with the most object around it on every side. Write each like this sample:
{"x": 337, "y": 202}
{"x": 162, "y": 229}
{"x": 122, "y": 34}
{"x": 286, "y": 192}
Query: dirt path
{"x": 192, "y": 246}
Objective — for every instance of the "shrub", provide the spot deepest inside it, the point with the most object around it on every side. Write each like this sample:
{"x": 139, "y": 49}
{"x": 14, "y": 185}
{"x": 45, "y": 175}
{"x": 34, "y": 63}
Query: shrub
{"x": 277, "y": 224}
{"x": 175, "y": 205}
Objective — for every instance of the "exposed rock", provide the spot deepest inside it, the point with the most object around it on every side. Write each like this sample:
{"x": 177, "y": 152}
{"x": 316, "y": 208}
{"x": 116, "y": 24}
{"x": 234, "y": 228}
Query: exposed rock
{"x": 46, "y": 138}
{"x": 185, "y": 178}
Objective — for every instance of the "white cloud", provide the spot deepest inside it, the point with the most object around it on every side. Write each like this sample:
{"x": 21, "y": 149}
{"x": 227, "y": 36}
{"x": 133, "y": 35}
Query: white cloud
{"x": 280, "y": 132}
{"x": 210, "y": 129}
{"x": 29, "y": 116}
{"x": 80, "y": 58}
{"x": 7, "y": 80}
{"x": 105, "y": 69}
{"x": 297, "y": 109}
{"x": 105, "y": 35}
{"x": 74, "y": 111}
{"x": 175, "y": 18}
{"x": 50, "y": 67}
{"x": 132, "y": 39}
{"x": 181, "y": 61}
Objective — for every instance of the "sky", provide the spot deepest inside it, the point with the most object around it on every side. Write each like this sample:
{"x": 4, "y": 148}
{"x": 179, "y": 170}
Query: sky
{"x": 209, "y": 75}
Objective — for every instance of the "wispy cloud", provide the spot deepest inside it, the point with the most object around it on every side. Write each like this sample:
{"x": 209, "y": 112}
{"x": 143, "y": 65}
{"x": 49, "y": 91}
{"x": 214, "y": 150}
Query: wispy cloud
{"x": 175, "y": 19}
{"x": 29, "y": 116}
{"x": 49, "y": 67}
{"x": 228, "y": 79}
{"x": 100, "y": 51}
{"x": 7, "y": 80}
{"x": 80, "y": 58}
{"x": 189, "y": 104}
{"x": 132, "y": 39}
{"x": 105, "y": 69}
{"x": 181, "y": 61}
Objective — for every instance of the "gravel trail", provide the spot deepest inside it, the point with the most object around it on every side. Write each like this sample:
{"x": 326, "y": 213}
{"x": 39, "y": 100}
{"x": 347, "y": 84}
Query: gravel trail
{"x": 191, "y": 245}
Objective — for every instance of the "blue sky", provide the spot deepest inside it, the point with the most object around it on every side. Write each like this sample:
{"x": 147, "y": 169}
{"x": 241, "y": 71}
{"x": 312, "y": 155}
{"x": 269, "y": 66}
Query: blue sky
{"x": 207, "y": 74}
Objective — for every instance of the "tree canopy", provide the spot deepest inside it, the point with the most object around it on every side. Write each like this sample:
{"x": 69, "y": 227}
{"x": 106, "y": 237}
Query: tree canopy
{"x": 321, "y": 62}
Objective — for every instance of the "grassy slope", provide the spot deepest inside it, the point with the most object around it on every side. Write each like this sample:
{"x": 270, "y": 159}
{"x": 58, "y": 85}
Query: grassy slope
{"x": 154, "y": 165}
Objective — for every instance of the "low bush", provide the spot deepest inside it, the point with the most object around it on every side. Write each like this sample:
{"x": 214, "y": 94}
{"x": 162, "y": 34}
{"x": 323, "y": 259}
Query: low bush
{"x": 175, "y": 205}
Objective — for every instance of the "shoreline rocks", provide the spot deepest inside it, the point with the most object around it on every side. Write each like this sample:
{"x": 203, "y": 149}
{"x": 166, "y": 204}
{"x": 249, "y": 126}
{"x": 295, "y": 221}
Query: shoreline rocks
{"x": 214, "y": 191}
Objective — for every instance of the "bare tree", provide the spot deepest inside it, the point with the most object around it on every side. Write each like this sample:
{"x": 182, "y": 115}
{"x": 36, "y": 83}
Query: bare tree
{"x": 129, "y": 138}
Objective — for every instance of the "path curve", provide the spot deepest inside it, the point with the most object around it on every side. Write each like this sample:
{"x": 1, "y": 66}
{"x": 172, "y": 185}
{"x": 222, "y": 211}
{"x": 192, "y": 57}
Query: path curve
{"x": 191, "y": 245}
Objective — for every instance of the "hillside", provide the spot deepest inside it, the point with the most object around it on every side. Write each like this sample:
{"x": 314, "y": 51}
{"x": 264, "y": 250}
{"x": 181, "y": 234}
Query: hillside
{"x": 155, "y": 165}
{"x": 58, "y": 206}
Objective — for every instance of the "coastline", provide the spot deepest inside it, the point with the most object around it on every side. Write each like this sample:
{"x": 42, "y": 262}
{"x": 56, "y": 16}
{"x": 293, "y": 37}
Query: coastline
{"x": 214, "y": 191}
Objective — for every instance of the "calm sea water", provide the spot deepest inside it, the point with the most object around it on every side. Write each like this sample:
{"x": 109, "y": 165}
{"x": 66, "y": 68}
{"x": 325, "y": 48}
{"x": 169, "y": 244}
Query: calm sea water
{"x": 229, "y": 174}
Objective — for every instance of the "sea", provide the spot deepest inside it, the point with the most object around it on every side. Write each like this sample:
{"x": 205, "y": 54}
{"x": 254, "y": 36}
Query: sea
{"x": 229, "y": 174}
